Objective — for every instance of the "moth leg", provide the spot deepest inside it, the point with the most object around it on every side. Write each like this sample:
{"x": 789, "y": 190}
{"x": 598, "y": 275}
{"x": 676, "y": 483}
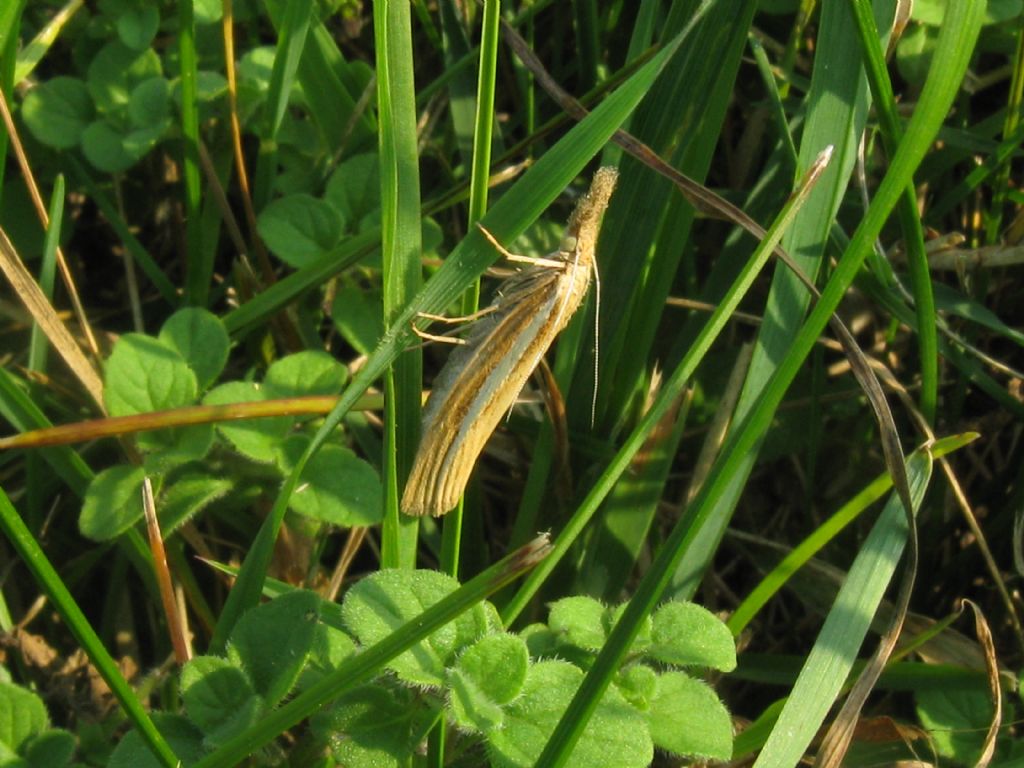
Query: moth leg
{"x": 445, "y": 319}
{"x": 518, "y": 257}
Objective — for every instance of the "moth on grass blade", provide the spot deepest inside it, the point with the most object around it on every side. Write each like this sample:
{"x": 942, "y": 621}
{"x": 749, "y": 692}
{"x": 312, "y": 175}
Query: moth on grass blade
{"x": 483, "y": 377}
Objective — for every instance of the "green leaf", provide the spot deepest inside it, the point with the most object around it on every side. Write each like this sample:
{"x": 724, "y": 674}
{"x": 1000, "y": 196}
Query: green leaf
{"x": 208, "y": 11}
{"x": 686, "y": 718}
{"x": 150, "y": 103}
{"x": 311, "y": 372}
{"x": 687, "y": 634}
{"x": 259, "y": 439}
{"x": 956, "y": 719}
{"x": 143, "y": 374}
{"x": 580, "y": 621}
{"x": 187, "y": 494}
{"x": 356, "y": 313}
{"x": 58, "y": 111}
{"x": 638, "y": 684}
{"x": 337, "y": 487}
{"x": 137, "y": 26}
{"x": 331, "y": 646}
{"x": 271, "y": 642}
{"x": 354, "y": 188}
{"x": 488, "y": 675}
{"x": 219, "y": 698}
{"x": 616, "y": 735}
{"x": 50, "y": 749}
{"x": 370, "y": 727}
{"x": 113, "y": 502}
{"x": 22, "y": 716}
{"x": 202, "y": 341}
{"x": 103, "y": 146}
{"x": 299, "y": 228}
{"x": 184, "y": 738}
{"x": 382, "y": 602}
{"x": 115, "y": 71}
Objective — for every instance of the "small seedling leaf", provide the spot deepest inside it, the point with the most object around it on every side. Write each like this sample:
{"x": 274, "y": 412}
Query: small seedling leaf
{"x": 300, "y": 228}
{"x": 219, "y": 698}
{"x": 258, "y": 439}
{"x": 142, "y": 374}
{"x": 616, "y": 736}
{"x": 202, "y": 341}
{"x": 685, "y": 634}
{"x": 337, "y": 487}
{"x": 311, "y": 372}
{"x": 22, "y": 716}
{"x": 381, "y": 603}
{"x": 580, "y": 621}
{"x": 488, "y": 675}
{"x": 370, "y": 726}
{"x": 686, "y": 718}
{"x": 272, "y": 641}
{"x": 183, "y": 737}
{"x": 58, "y": 111}
{"x": 113, "y": 502}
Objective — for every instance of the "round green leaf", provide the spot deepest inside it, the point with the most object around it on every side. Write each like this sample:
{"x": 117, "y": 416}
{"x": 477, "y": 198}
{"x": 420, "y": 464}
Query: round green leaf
{"x": 580, "y": 621}
{"x": 115, "y": 71}
{"x": 104, "y": 148}
{"x": 337, "y": 486}
{"x": 137, "y": 26}
{"x": 357, "y": 315}
{"x": 58, "y": 111}
{"x": 488, "y": 674}
{"x": 687, "y": 634}
{"x": 686, "y": 718}
{"x": 52, "y": 748}
{"x": 354, "y": 187}
{"x": 201, "y": 339}
{"x": 113, "y": 502}
{"x": 22, "y": 715}
{"x": 219, "y": 698}
{"x": 615, "y": 737}
{"x": 259, "y": 439}
{"x": 150, "y": 102}
{"x": 299, "y": 228}
{"x": 379, "y": 604}
{"x": 311, "y": 372}
{"x": 183, "y": 737}
{"x": 272, "y": 640}
{"x": 143, "y": 375}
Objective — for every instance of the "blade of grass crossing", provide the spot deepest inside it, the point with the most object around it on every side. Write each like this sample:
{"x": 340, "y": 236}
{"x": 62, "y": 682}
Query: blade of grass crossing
{"x": 641, "y": 276}
{"x": 958, "y": 37}
{"x": 835, "y": 650}
{"x": 836, "y": 113}
{"x": 910, "y": 221}
{"x": 516, "y": 209}
{"x": 199, "y": 264}
{"x": 61, "y": 599}
{"x": 483, "y": 136}
{"x": 573, "y": 721}
{"x": 673, "y": 386}
{"x": 292, "y": 29}
{"x": 401, "y": 240}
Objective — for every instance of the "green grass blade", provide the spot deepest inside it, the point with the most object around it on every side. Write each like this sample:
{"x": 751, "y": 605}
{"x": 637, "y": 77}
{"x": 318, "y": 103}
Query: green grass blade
{"x": 199, "y": 270}
{"x": 38, "y": 344}
{"x": 401, "y": 240}
{"x": 835, "y": 650}
{"x": 59, "y": 596}
{"x": 910, "y": 221}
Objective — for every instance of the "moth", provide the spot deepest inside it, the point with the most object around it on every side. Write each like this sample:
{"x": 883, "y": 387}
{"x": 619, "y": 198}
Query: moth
{"x": 482, "y": 378}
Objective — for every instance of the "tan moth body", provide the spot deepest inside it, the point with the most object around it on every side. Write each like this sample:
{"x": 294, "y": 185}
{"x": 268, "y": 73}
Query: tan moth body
{"x": 481, "y": 380}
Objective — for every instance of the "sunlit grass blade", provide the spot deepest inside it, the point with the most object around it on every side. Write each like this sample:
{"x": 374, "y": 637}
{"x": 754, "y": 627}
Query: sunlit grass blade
{"x": 840, "y": 639}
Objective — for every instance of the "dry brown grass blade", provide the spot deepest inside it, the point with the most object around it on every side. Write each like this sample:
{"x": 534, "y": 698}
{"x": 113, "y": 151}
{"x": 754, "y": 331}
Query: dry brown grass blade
{"x": 44, "y": 218}
{"x": 42, "y": 312}
{"x": 182, "y": 650}
{"x": 992, "y": 673}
